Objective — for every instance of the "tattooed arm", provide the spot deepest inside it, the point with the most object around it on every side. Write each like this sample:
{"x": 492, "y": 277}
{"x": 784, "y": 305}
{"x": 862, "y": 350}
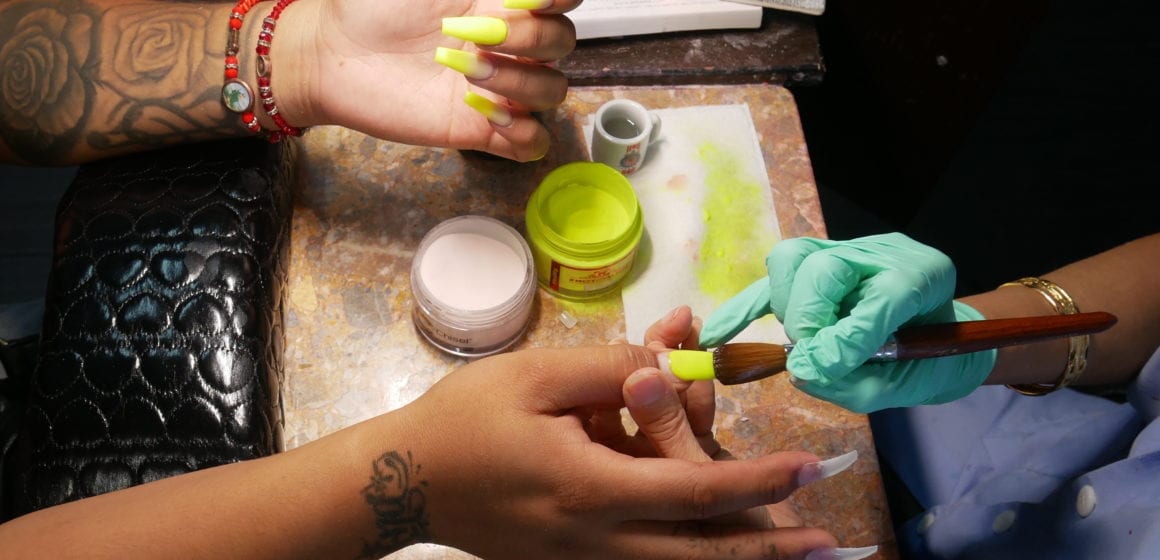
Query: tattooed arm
{"x": 82, "y": 80}
{"x": 85, "y": 79}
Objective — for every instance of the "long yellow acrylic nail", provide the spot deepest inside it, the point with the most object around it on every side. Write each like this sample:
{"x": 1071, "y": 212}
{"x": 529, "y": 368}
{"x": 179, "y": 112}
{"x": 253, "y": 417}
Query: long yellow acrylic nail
{"x": 469, "y": 64}
{"x": 494, "y": 112}
{"x": 689, "y": 365}
{"x": 481, "y": 30}
{"x": 526, "y": 4}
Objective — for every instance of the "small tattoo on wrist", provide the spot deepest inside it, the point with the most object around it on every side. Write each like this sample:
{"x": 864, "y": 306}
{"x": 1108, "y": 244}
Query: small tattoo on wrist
{"x": 399, "y": 502}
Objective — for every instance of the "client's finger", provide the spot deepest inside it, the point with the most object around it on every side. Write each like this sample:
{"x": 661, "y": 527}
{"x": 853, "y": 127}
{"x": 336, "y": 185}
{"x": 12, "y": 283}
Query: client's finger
{"x": 681, "y": 490}
{"x": 702, "y": 540}
{"x": 517, "y": 136}
{"x": 657, "y": 409}
{"x": 542, "y": 6}
{"x": 529, "y": 86}
{"x": 538, "y": 37}
{"x": 701, "y": 407}
{"x": 674, "y": 330}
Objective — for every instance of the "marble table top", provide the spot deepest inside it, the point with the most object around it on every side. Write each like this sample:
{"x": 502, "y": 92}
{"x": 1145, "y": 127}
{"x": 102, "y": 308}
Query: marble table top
{"x": 352, "y": 351}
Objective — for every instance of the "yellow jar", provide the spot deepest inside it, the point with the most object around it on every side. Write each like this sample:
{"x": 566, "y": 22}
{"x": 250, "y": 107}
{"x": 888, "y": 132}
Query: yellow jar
{"x": 584, "y": 225}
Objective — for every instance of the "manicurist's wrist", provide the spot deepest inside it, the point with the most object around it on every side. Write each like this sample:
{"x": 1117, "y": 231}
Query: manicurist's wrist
{"x": 1005, "y": 303}
{"x": 1038, "y": 362}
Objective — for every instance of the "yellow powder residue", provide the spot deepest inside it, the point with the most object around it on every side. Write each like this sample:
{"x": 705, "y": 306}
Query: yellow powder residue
{"x": 735, "y": 244}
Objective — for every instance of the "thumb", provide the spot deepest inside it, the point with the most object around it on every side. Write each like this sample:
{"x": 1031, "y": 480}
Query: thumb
{"x": 736, "y": 314}
{"x": 655, "y": 406}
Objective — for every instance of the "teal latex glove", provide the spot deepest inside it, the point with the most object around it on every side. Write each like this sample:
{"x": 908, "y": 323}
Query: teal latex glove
{"x": 839, "y": 302}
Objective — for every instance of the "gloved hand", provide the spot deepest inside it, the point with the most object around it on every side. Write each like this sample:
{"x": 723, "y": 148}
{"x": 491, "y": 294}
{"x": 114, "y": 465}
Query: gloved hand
{"x": 840, "y": 301}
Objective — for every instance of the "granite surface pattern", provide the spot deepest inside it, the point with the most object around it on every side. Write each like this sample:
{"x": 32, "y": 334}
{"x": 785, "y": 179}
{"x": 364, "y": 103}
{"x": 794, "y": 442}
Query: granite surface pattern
{"x": 365, "y": 204}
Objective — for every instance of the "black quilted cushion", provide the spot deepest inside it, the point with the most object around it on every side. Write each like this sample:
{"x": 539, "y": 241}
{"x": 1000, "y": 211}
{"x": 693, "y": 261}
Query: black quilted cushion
{"x": 162, "y": 345}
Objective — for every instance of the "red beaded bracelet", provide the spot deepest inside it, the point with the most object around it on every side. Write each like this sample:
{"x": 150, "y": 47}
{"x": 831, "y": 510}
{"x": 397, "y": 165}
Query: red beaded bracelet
{"x": 265, "y": 38}
{"x": 237, "y": 96}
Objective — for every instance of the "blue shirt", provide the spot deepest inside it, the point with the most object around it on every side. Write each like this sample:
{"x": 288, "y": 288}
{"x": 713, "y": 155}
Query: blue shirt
{"x": 1002, "y": 475}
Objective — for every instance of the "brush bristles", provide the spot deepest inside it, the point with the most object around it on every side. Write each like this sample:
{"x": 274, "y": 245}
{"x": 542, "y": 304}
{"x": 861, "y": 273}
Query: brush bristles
{"x": 743, "y": 362}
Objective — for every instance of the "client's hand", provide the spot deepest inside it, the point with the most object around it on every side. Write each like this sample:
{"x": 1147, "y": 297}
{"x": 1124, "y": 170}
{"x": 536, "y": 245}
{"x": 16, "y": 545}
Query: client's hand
{"x": 840, "y": 301}
{"x": 679, "y": 424}
{"x": 511, "y": 470}
{"x": 678, "y": 329}
{"x": 371, "y": 66}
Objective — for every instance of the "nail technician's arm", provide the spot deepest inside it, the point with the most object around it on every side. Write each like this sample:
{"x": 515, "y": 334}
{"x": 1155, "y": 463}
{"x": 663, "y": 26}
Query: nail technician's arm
{"x": 510, "y": 474}
{"x": 89, "y": 79}
{"x": 1121, "y": 281}
{"x": 840, "y": 300}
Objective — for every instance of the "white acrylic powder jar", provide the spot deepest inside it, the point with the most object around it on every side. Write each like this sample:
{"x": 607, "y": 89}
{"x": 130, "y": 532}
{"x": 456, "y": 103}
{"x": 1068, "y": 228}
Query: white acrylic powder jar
{"x": 474, "y": 283}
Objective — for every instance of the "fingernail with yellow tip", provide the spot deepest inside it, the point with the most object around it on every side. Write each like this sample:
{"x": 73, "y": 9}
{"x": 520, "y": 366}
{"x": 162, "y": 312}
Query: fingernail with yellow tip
{"x": 481, "y": 30}
{"x": 688, "y": 365}
{"x": 469, "y": 64}
{"x": 494, "y": 112}
{"x": 526, "y": 4}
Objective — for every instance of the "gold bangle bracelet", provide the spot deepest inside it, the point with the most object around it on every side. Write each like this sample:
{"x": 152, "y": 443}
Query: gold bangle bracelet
{"x": 1077, "y": 346}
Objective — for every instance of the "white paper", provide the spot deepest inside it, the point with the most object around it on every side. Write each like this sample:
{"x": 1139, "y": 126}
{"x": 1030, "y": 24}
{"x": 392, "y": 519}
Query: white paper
{"x": 705, "y": 155}
{"x": 615, "y": 18}
{"x": 811, "y": 7}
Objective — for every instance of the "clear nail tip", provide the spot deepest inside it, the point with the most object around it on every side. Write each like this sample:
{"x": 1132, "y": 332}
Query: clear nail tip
{"x": 842, "y": 553}
{"x": 813, "y": 472}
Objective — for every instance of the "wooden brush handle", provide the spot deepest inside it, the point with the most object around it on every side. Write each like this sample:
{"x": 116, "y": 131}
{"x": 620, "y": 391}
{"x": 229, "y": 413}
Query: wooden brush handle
{"x": 945, "y": 339}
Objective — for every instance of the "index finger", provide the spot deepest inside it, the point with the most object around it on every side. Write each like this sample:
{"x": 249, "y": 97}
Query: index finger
{"x": 782, "y": 264}
{"x": 536, "y": 37}
{"x": 731, "y": 317}
{"x": 675, "y": 330}
{"x": 560, "y": 379}
{"x": 821, "y": 283}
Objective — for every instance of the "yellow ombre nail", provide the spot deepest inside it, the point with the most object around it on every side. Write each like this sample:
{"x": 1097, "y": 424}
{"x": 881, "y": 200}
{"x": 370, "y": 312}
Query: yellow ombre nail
{"x": 494, "y": 112}
{"x": 481, "y": 30}
{"x": 469, "y": 64}
{"x": 689, "y": 365}
{"x": 526, "y": 4}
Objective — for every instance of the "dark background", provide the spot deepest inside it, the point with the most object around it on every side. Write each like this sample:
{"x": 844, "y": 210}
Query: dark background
{"x": 1015, "y": 136}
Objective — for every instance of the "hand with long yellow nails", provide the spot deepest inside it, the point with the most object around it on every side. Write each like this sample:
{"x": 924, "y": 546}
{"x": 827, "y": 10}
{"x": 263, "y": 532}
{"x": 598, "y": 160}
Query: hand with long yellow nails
{"x": 453, "y": 73}
{"x": 91, "y": 79}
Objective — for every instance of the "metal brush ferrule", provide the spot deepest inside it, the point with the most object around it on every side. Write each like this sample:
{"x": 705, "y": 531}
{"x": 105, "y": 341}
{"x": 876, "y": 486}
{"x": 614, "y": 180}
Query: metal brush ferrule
{"x": 887, "y": 353}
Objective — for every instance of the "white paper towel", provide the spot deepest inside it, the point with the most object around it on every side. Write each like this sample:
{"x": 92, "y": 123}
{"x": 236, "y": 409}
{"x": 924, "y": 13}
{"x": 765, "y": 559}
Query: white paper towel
{"x": 709, "y": 218}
